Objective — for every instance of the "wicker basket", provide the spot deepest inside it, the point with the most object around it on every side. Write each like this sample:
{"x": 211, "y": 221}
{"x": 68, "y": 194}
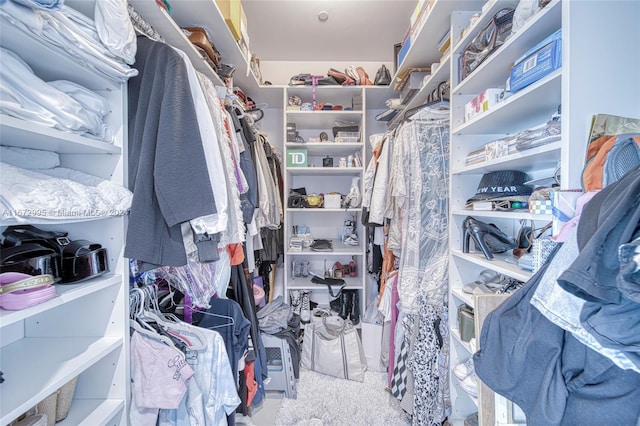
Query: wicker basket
{"x": 48, "y": 407}
{"x": 33, "y": 420}
{"x": 65, "y": 397}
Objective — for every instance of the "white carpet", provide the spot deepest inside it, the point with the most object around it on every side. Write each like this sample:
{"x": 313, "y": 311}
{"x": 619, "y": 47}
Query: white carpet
{"x": 327, "y": 401}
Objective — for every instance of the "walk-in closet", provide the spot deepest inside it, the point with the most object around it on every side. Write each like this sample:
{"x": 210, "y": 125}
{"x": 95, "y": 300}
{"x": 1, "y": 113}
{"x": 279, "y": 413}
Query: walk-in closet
{"x": 319, "y": 212}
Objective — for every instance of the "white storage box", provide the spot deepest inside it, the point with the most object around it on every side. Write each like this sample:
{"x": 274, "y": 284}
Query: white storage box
{"x": 332, "y": 201}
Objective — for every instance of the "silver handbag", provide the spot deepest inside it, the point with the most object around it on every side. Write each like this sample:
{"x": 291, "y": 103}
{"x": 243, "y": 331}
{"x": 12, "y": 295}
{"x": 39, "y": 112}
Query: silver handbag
{"x": 332, "y": 346}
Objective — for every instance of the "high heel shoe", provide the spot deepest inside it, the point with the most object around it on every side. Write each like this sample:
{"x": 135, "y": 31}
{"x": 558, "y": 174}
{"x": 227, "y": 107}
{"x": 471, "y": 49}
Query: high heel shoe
{"x": 488, "y": 237}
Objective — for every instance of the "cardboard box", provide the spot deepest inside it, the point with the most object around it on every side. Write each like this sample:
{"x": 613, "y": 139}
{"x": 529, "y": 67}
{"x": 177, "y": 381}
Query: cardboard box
{"x": 234, "y": 16}
{"x": 542, "y": 59}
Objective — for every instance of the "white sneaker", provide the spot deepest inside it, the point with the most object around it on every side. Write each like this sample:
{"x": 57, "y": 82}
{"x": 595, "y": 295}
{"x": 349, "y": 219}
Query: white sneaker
{"x": 470, "y": 385}
{"x": 462, "y": 371}
{"x": 351, "y": 240}
{"x": 305, "y": 306}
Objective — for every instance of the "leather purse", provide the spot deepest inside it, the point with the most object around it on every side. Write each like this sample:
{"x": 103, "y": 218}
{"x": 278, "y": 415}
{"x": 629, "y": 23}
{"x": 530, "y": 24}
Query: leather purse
{"x": 383, "y": 76}
{"x": 31, "y": 259}
{"x": 34, "y": 251}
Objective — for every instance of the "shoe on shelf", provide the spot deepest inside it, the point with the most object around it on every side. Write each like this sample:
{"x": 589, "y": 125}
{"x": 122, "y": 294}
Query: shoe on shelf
{"x": 305, "y": 268}
{"x": 295, "y": 301}
{"x": 470, "y": 385}
{"x": 305, "y": 306}
{"x": 472, "y": 420}
{"x": 321, "y": 312}
{"x": 463, "y": 370}
{"x": 487, "y": 282}
{"x": 351, "y": 240}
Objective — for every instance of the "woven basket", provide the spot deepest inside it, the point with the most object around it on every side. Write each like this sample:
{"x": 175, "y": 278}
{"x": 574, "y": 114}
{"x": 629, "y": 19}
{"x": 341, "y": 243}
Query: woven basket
{"x": 65, "y": 397}
{"x": 48, "y": 407}
{"x": 33, "y": 420}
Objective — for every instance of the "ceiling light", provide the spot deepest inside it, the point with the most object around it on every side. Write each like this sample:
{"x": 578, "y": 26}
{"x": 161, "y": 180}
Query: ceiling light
{"x": 323, "y": 16}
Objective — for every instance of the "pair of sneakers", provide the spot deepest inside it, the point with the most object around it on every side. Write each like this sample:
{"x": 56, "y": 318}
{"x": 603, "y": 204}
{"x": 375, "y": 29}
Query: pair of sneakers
{"x": 359, "y": 75}
{"x": 351, "y": 240}
{"x": 488, "y": 282}
{"x": 301, "y": 269}
{"x": 465, "y": 372}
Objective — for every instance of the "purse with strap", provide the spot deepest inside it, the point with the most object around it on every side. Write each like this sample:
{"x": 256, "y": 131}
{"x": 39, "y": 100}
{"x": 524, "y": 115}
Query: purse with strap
{"x": 383, "y": 76}
{"x": 332, "y": 346}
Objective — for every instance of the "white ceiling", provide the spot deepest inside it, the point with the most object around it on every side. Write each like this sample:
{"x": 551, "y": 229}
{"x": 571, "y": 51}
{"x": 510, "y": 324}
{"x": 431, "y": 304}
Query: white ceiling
{"x": 357, "y": 30}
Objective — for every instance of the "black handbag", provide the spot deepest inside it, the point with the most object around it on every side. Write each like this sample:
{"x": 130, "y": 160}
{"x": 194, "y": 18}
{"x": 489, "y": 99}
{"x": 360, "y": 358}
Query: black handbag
{"x": 297, "y": 200}
{"x": 383, "y": 76}
{"x": 31, "y": 250}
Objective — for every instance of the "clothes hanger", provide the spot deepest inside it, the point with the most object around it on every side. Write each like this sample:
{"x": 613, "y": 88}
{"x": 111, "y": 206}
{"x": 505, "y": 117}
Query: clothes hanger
{"x": 136, "y": 297}
{"x": 231, "y": 320}
{"x": 170, "y": 322}
{"x": 439, "y": 105}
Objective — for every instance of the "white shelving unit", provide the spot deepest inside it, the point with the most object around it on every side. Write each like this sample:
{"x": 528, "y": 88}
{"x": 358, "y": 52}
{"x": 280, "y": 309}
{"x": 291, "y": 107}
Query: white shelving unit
{"x": 323, "y": 222}
{"x": 185, "y": 13}
{"x": 424, "y": 52}
{"x": 83, "y": 331}
{"x": 580, "y": 90}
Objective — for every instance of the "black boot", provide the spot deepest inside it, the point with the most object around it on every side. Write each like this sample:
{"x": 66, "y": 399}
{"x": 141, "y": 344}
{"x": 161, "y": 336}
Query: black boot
{"x": 345, "y": 306}
{"x": 355, "y": 307}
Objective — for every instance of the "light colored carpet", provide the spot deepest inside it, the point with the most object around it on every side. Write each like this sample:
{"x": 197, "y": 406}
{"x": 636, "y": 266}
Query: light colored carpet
{"x": 327, "y": 401}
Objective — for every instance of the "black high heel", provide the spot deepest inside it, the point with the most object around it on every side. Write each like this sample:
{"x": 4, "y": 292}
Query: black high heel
{"x": 487, "y": 236}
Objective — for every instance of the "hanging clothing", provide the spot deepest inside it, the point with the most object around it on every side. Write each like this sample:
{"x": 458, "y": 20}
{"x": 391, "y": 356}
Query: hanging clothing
{"x": 225, "y": 317}
{"x": 554, "y": 378}
{"x": 268, "y": 214}
{"x": 429, "y": 364}
{"x": 167, "y": 169}
{"x": 217, "y": 222}
{"x": 215, "y": 379}
{"x": 242, "y": 292}
{"x": 424, "y": 262}
{"x": 160, "y": 377}
{"x": 248, "y": 199}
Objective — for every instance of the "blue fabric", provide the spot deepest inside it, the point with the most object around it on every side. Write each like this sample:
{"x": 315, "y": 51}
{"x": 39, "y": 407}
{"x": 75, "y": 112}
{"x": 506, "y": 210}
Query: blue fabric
{"x": 554, "y": 378}
{"x": 40, "y": 4}
{"x": 520, "y": 357}
{"x": 599, "y": 392}
{"x": 608, "y": 220}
